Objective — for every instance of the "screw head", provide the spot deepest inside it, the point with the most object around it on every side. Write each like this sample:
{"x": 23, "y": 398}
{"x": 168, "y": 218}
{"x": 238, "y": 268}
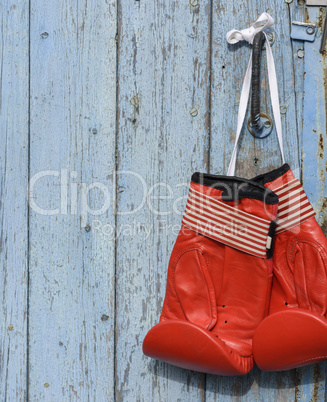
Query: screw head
{"x": 194, "y": 112}
{"x": 310, "y": 30}
{"x": 255, "y": 161}
{"x": 283, "y": 109}
{"x": 194, "y": 3}
{"x": 288, "y": 1}
{"x": 46, "y": 385}
{"x": 300, "y": 53}
{"x": 87, "y": 228}
{"x": 10, "y": 327}
{"x": 44, "y": 35}
{"x": 104, "y": 317}
{"x": 135, "y": 101}
{"x": 271, "y": 39}
{"x": 270, "y": 36}
{"x": 94, "y": 131}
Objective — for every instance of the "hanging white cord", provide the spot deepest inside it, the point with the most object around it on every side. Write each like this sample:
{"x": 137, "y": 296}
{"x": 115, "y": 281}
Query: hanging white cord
{"x": 263, "y": 22}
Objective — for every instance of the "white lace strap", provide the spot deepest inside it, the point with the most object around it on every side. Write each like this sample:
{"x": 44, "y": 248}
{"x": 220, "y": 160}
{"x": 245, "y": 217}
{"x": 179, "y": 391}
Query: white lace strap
{"x": 263, "y": 22}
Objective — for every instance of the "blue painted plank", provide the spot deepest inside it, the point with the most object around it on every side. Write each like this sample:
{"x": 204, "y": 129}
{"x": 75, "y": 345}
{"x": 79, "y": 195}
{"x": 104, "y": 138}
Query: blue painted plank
{"x": 229, "y": 65}
{"x": 13, "y": 203}
{"x": 315, "y": 164}
{"x": 164, "y": 63}
{"x": 72, "y": 254}
{"x": 314, "y": 122}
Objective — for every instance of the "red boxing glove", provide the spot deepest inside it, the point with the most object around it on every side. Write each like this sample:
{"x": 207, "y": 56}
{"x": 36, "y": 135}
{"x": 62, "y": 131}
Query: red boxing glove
{"x": 295, "y": 332}
{"x": 219, "y": 277}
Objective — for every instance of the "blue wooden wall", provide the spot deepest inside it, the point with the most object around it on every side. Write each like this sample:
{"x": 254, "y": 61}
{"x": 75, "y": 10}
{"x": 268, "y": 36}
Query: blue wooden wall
{"x": 113, "y": 104}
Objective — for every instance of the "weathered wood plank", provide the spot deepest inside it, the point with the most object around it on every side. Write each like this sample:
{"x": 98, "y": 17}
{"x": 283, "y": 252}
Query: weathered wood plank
{"x": 229, "y": 65}
{"x": 164, "y": 63}
{"x": 14, "y": 97}
{"x": 73, "y": 115}
{"x": 312, "y": 382}
{"x": 314, "y": 121}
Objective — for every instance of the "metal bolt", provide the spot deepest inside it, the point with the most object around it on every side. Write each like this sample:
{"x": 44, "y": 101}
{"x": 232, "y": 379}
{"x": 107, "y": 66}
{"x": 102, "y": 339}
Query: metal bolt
{"x": 300, "y": 53}
{"x": 60, "y": 343}
{"x": 310, "y": 30}
{"x": 104, "y": 317}
{"x": 87, "y": 228}
{"x": 135, "y": 101}
{"x": 288, "y": 1}
{"x": 283, "y": 109}
{"x": 44, "y": 35}
{"x": 194, "y": 112}
{"x": 255, "y": 161}
{"x": 194, "y": 3}
{"x": 46, "y": 385}
{"x": 267, "y": 124}
{"x": 271, "y": 39}
{"x": 10, "y": 327}
{"x": 270, "y": 36}
{"x": 94, "y": 131}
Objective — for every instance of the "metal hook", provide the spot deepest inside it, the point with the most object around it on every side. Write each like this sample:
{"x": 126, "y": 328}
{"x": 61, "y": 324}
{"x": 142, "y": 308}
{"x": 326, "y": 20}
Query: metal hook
{"x": 260, "y": 124}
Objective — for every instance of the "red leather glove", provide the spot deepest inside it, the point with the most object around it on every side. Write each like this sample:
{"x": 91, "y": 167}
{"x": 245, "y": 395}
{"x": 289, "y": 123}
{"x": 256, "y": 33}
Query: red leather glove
{"x": 219, "y": 277}
{"x": 295, "y": 332}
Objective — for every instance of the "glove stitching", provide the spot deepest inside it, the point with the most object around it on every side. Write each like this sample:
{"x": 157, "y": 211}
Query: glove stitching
{"x": 235, "y": 351}
{"x": 175, "y": 260}
{"x": 306, "y": 360}
{"x": 208, "y": 291}
{"x": 291, "y": 253}
{"x": 192, "y": 247}
{"x": 295, "y": 242}
{"x": 269, "y": 288}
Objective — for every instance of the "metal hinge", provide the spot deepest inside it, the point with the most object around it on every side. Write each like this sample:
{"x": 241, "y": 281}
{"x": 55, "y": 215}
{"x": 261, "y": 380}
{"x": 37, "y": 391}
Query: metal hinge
{"x": 303, "y": 31}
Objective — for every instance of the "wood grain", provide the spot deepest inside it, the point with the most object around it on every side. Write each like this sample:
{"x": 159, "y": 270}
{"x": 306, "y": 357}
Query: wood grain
{"x": 14, "y": 82}
{"x": 314, "y": 117}
{"x": 312, "y": 379}
{"x": 123, "y": 101}
{"x": 229, "y": 65}
{"x": 228, "y": 69}
{"x": 164, "y": 62}
{"x": 72, "y": 280}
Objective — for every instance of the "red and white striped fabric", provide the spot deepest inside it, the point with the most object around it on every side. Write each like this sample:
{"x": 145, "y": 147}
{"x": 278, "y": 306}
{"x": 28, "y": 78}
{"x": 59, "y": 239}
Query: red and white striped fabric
{"x": 294, "y": 206}
{"x": 226, "y": 224}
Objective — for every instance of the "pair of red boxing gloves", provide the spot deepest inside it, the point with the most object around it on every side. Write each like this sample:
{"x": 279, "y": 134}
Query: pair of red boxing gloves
{"x": 243, "y": 286}
{"x": 247, "y": 278}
